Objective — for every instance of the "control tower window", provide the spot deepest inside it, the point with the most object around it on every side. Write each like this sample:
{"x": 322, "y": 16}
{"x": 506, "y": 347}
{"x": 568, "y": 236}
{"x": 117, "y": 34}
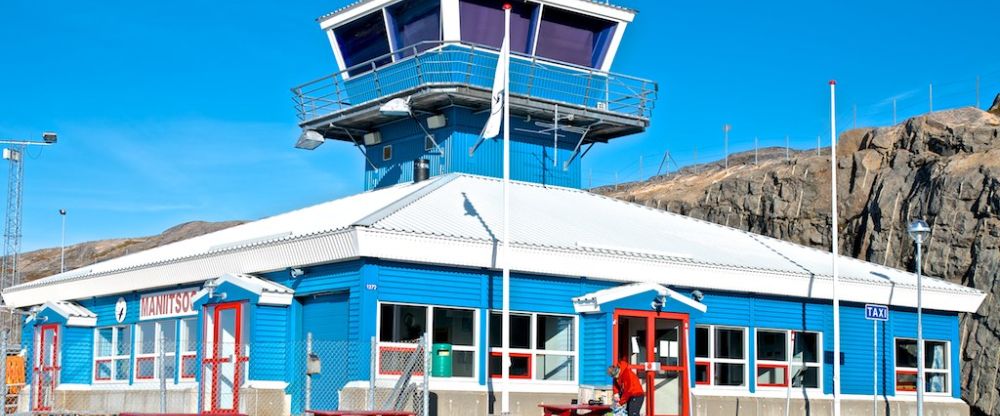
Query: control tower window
{"x": 572, "y": 37}
{"x": 414, "y": 21}
{"x": 363, "y": 40}
{"x": 482, "y": 23}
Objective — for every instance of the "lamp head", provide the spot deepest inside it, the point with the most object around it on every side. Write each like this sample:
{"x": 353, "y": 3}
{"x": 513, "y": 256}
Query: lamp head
{"x": 309, "y": 140}
{"x": 919, "y": 231}
{"x": 697, "y": 295}
{"x": 50, "y": 137}
{"x": 396, "y": 107}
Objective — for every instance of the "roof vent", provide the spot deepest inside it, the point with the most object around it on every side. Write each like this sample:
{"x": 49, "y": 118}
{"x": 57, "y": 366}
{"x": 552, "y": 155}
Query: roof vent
{"x": 421, "y": 170}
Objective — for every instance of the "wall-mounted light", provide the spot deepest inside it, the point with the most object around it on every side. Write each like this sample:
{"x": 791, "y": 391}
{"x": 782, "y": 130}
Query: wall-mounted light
{"x": 211, "y": 286}
{"x": 296, "y": 273}
{"x": 437, "y": 121}
{"x": 309, "y": 140}
{"x": 697, "y": 295}
{"x": 373, "y": 138}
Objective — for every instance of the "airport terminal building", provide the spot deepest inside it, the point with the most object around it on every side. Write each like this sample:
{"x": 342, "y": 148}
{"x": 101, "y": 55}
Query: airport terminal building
{"x": 715, "y": 320}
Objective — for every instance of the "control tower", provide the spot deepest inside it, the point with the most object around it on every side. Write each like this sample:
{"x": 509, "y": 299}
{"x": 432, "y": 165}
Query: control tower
{"x": 415, "y": 84}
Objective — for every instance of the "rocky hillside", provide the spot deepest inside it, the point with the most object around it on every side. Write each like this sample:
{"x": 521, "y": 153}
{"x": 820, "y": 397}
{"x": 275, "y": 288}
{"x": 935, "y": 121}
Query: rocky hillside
{"x": 45, "y": 262}
{"x": 943, "y": 167}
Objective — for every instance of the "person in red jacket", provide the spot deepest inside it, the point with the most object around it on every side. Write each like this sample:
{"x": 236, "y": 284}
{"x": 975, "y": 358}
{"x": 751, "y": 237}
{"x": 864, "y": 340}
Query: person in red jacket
{"x": 629, "y": 389}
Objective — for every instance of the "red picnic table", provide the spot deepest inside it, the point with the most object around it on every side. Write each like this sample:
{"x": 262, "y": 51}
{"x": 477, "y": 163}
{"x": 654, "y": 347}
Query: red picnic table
{"x": 360, "y": 413}
{"x": 574, "y": 409}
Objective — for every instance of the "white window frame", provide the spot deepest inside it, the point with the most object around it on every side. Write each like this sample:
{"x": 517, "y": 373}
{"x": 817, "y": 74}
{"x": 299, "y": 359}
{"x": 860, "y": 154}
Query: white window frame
{"x": 534, "y": 351}
{"x": 155, "y": 355}
{"x": 97, "y": 357}
{"x": 474, "y": 348}
{"x": 789, "y": 363}
{"x": 711, "y": 360}
{"x": 182, "y": 352}
{"x": 947, "y": 370}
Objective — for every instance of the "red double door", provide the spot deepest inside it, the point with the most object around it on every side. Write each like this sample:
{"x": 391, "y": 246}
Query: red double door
{"x": 225, "y": 358}
{"x": 46, "y": 366}
{"x": 655, "y": 346}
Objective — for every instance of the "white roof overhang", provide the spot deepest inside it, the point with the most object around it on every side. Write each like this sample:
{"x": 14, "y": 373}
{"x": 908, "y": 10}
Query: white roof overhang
{"x": 268, "y": 292}
{"x": 75, "y": 315}
{"x": 591, "y": 302}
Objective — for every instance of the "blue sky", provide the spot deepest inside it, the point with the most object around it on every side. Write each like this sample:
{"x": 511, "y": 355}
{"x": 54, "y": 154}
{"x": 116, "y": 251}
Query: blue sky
{"x": 176, "y": 111}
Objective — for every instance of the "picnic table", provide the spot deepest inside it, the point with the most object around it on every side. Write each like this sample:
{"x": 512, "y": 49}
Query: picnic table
{"x": 360, "y": 413}
{"x": 574, "y": 409}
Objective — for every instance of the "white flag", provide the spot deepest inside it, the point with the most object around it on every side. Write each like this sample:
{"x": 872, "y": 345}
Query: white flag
{"x": 492, "y": 127}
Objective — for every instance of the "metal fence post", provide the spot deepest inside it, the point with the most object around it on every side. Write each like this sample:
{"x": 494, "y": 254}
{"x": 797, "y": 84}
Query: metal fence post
{"x": 163, "y": 375}
{"x": 427, "y": 374}
{"x": 3, "y": 373}
{"x": 309, "y": 350}
{"x": 371, "y": 375}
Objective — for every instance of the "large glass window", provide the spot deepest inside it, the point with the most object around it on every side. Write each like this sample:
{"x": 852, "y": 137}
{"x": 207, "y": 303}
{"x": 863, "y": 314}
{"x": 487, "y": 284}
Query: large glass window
{"x": 155, "y": 341}
{"x": 363, "y": 40}
{"x": 776, "y": 367}
{"x": 542, "y": 346}
{"x": 482, "y": 23}
{"x": 936, "y": 368}
{"x": 720, "y": 356}
{"x": 572, "y": 37}
{"x": 401, "y": 326}
{"x": 112, "y": 355}
{"x": 189, "y": 347}
{"x": 414, "y": 21}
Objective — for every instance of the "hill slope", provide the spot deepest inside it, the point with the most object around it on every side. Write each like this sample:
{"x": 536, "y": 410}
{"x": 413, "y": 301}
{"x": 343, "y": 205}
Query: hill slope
{"x": 943, "y": 167}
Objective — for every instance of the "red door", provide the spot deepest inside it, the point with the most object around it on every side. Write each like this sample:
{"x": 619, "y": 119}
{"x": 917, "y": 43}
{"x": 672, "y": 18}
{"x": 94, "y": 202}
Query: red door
{"x": 225, "y": 358}
{"x": 655, "y": 346}
{"x": 46, "y": 366}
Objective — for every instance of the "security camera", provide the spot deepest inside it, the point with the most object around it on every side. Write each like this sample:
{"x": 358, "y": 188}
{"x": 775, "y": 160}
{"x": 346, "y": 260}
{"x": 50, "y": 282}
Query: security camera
{"x": 296, "y": 272}
{"x": 49, "y": 137}
{"x": 697, "y": 295}
{"x": 657, "y": 303}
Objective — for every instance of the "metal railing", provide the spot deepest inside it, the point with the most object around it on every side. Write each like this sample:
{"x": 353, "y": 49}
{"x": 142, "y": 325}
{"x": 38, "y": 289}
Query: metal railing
{"x": 471, "y": 65}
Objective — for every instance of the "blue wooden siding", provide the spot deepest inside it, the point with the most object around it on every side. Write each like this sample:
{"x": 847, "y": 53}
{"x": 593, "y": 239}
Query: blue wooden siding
{"x": 269, "y": 352}
{"x": 77, "y": 355}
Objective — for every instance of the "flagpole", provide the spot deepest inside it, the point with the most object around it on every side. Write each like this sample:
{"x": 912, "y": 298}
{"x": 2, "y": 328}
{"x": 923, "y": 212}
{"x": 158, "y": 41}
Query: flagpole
{"x": 835, "y": 249}
{"x": 505, "y": 333}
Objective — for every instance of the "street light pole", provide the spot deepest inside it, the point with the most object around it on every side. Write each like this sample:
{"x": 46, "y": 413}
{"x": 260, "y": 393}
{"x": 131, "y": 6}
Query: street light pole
{"x": 62, "y": 242}
{"x": 918, "y": 231}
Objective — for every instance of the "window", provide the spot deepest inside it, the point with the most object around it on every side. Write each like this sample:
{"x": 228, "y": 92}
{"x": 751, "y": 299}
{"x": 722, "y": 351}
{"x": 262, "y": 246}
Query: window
{"x": 189, "y": 347}
{"x": 720, "y": 356}
{"x": 387, "y": 152}
{"x": 774, "y": 363}
{"x": 363, "y": 40}
{"x": 572, "y": 37}
{"x": 936, "y": 368}
{"x": 401, "y": 326}
{"x": 414, "y": 21}
{"x": 429, "y": 143}
{"x": 482, "y": 23}
{"x": 153, "y": 340}
{"x": 112, "y": 353}
{"x": 542, "y": 346}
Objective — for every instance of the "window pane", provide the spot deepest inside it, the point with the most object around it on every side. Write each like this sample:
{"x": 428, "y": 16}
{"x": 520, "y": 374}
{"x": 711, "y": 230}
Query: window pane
{"x": 146, "y": 338}
{"x": 729, "y": 343}
{"x": 728, "y": 374}
{"x": 168, "y": 334}
{"x": 189, "y": 335}
{"x": 771, "y": 376}
{"x": 453, "y": 326}
{"x": 463, "y": 363}
{"x": 906, "y": 381}
{"x": 363, "y": 40}
{"x": 906, "y": 353}
{"x": 519, "y": 365}
{"x": 806, "y": 347}
{"x": 482, "y": 23}
{"x": 520, "y": 330}
{"x": 105, "y": 336}
{"x": 124, "y": 346}
{"x": 572, "y": 37}
{"x": 402, "y": 323}
{"x": 771, "y": 346}
{"x": 188, "y": 366}
{"x": 701, "y": 373}
{"x": 701, "y": 342}
{"x": 934, "y": 355}
{"x": 121, "y": 369}
{"x": 145, "y": 368}
{"x": 936, "y": 382}
{"x": 103, "y": 370}
{"x": 554, "y": 367}
{"x": 805, "y": 377}
{"x": 415, "y": 21}
{"x": 554, "y": 333}
{"x": 168, "y": 367}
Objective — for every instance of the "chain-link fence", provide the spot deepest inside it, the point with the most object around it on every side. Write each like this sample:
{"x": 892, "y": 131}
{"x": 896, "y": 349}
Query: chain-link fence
{"x": 119, "y": 372}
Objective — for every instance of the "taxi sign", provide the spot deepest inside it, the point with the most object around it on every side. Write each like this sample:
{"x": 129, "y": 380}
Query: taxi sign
{"x": 876, "y": 312}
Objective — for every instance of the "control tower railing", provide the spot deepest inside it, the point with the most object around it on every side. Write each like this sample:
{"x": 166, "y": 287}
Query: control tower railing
{"x": 460, "y": 64}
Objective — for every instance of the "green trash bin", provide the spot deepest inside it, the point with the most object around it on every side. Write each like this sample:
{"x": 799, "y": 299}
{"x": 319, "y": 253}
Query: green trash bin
{"x": 441, "y": 360}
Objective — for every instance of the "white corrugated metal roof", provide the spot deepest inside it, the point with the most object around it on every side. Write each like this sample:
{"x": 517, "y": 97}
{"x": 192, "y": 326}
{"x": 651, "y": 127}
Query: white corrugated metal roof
{"x": 452, "y": 220}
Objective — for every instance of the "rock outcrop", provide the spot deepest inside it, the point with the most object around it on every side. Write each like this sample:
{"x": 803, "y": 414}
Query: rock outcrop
{"x": 943, "y": 167}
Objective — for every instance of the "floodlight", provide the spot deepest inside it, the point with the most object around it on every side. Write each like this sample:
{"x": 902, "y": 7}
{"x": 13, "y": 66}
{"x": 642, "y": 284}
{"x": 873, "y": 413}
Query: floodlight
{"x": 49, "y": 137}
{"x": 296, "y": 272}
{"x": 309, "y": 140}
{"x": 396, "y": 107}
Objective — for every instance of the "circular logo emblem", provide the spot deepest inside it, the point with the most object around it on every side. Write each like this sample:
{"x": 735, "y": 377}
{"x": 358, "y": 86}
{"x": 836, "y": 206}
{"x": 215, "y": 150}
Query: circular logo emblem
{"x": 121, "y": 308}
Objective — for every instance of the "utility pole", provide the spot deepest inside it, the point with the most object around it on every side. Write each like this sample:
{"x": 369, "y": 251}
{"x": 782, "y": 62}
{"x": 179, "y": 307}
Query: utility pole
{"x": 930, "y": 95}
{"x": 725, "y": 146}
{"x": 786, "y": 149}
{"x": 62, "y": 242}
{"x": 755, "y": 150}
{"x": 10, "y": 273}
